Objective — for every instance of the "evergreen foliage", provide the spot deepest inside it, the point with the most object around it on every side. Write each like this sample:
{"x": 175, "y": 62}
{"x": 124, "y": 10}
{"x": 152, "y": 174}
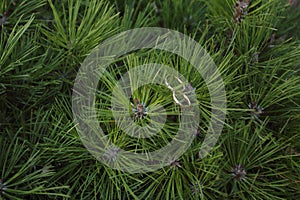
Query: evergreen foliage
{"x": 256, "y": 47}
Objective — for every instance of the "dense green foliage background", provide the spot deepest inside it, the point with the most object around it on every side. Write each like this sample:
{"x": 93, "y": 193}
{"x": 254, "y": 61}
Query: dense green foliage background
{"x": 43, "y": 43}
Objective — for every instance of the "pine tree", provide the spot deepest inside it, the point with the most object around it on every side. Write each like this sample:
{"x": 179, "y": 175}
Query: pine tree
{"x": 255, "y": 45}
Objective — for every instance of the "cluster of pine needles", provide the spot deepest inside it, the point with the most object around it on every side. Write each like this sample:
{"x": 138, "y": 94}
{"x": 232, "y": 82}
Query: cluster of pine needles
{"x": 256, "y": 47}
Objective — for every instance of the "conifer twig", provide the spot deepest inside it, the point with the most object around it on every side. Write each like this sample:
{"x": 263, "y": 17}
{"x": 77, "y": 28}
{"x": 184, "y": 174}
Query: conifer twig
{"x": 241, "y": 9}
